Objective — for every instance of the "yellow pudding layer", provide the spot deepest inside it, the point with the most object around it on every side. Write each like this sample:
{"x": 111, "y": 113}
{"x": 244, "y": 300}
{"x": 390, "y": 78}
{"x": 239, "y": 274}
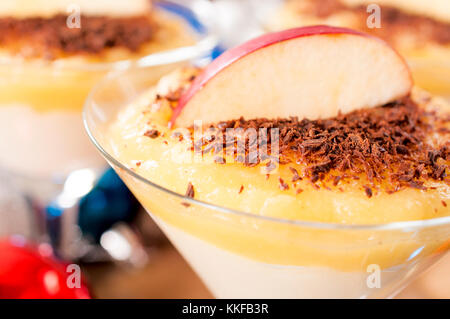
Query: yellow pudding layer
{"x": 65, "y": 82}
{"x": 169, "y": 162}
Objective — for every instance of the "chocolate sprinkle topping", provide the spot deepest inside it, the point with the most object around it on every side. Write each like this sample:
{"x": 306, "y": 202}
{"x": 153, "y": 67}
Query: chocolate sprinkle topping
{"x": 190, "y": 192}
{"x": 368, "y": 191}
{"x": 152, "y": 133}
{"x": 51, "y": 36}
{"x": 296, "y": 177}
{"x": 283, "y": 185}
{"x": 388, "y": 145}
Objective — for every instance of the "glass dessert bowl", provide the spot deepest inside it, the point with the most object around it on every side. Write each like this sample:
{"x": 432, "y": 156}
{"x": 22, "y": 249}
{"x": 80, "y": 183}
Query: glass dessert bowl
{"x": 49, "y": 67}
{"x": 419, "y": 31}
{"x": 299, "y": 222}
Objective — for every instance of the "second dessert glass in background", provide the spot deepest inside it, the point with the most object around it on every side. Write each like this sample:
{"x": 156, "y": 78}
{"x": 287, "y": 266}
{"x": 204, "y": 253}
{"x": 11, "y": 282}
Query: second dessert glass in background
{"x": 42, "y": 140}
{"x": 45, "y": 155}
{"x": 417, "y": 30}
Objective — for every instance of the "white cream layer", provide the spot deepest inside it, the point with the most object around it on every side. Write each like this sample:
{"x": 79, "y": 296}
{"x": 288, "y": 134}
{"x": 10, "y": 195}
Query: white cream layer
{"x": 228, "y": 275}
{"x": 44, "y": 144}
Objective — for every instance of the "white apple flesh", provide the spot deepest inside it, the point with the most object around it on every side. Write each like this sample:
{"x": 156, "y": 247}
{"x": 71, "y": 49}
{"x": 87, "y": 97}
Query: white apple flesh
{"x": 311, "y": 72}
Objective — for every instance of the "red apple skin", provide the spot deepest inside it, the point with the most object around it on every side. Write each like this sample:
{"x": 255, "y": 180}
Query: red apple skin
{"x": 236, "y": 53}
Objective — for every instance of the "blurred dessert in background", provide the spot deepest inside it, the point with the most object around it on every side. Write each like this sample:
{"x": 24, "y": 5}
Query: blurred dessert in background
{"x": 51, "y": 54}
{"x": 419, "y": 30}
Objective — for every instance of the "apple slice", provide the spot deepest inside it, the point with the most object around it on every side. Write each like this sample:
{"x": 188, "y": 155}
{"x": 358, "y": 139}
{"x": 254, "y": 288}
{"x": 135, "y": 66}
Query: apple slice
{"x": 311, "y": 72}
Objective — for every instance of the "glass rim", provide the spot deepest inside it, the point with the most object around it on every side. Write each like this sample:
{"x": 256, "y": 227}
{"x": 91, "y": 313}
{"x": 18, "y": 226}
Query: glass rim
{"x": 204, "y": 43}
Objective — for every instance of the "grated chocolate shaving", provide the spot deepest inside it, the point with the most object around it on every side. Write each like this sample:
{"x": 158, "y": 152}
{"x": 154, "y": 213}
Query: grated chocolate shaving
{"x": 283, "y": 186}
{"x": 368, "y": 191}
{"x": 296, "y": 177}
{"x": 152, "y": 133}
{"x": 190, "y": 192}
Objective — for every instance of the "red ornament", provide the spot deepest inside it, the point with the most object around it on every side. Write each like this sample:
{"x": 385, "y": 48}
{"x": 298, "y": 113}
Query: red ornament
{"x": 32, "y": 272}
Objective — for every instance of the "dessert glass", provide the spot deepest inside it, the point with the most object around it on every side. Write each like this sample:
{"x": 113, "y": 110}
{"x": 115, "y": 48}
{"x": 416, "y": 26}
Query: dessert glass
{"x": 42, "y": 140}
{"x": 244, "y": 255}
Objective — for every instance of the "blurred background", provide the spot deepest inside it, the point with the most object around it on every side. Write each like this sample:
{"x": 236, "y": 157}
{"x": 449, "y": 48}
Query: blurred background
{"x": 85, "y": 216}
